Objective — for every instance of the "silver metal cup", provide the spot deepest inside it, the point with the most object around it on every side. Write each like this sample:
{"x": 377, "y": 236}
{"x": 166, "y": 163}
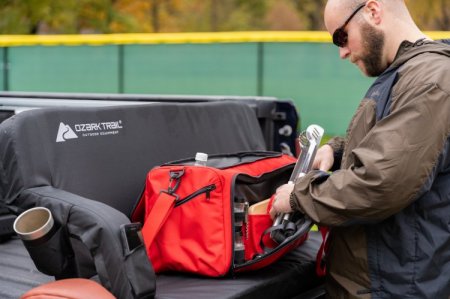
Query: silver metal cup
{"x": 33, "y": 224}
{"x": 46, "y": 242}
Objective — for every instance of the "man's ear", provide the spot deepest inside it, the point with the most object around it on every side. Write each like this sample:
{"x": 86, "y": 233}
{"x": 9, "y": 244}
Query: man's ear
{"x": 374, "y": 11}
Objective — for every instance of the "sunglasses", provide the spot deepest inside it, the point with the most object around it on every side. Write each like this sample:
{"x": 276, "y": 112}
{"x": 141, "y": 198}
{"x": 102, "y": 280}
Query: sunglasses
{"x": 340, "y": 36}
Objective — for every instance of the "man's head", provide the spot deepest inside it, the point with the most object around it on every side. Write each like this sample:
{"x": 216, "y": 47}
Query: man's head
{"x": 369, "y": 32}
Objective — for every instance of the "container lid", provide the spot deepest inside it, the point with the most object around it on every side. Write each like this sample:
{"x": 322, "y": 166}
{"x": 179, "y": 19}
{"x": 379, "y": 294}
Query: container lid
{"x": 201, "y": 157}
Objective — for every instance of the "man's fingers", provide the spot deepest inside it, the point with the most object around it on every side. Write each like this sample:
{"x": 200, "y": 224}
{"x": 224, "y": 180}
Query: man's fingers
{"x": 325, "y": 165}
{"x": 324, "y": 158}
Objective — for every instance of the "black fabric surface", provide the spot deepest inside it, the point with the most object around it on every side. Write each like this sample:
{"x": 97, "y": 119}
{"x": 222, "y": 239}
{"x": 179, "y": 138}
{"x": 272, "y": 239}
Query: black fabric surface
{"x": 277, "y": 118}
{"x": 112, "y": 168}
{"x": 292, "y": 275}
{"x": 17, "y": 271}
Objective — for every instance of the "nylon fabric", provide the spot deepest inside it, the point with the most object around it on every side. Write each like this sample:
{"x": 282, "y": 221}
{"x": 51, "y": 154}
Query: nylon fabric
{"x": 183, "y": 236}
{"x": 198, "y": 235}
{"x": 84, "y": 165}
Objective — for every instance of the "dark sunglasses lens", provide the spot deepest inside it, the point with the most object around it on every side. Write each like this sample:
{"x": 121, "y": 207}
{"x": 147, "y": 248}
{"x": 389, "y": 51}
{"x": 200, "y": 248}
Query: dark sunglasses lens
{"x": 340, "y": 37}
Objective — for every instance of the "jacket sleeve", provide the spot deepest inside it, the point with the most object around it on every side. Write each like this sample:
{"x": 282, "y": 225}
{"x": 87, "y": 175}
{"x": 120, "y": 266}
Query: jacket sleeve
{"x": 392, "y": 164}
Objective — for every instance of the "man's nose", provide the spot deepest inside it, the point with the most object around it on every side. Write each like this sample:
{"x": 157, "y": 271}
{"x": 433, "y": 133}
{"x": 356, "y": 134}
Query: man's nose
{"x": 344, "y": 52}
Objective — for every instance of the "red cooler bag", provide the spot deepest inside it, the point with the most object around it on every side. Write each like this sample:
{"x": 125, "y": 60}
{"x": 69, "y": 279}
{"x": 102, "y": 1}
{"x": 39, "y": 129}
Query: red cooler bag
{"x": 199, "y": 219}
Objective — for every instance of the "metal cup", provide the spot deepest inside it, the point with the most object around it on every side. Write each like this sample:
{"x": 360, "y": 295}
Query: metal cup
{"x": 34, "y": 224}
{"x": 46, "y": 241}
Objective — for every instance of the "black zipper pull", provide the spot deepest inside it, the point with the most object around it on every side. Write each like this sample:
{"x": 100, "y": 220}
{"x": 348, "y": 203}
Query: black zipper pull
{"x": 208, "y": 191}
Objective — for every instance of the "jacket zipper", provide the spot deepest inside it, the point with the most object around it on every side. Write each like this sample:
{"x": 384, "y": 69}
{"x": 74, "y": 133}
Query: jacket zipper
{"x": 206, "y": 189}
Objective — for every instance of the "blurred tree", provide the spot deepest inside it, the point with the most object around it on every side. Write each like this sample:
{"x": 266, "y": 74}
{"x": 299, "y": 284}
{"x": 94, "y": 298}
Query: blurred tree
{"x": 246, "y": 15}
{"x": 214, "y": 15}
{"x": 149, "y": 15}
{"x": 22, "y": 17}
{"x": 282, "y": 15}
{"x": 194, "y": 15}
{"x": 311, "y": 13}
{"x": 125, "y": 16}
{"x": 130, "y": 16}
{"x": 431, "y": 14}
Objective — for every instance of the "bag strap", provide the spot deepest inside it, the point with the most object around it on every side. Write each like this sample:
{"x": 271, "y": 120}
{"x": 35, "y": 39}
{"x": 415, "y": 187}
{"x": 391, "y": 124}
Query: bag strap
{"x": 162, "y": 207}
{"x": 321, "y": 268}
{"x": 158, "y": 215}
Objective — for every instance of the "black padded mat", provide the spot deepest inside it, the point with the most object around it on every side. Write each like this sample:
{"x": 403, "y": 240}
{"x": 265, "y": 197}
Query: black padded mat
{"x": 17, "y": 271}
{"x": 293, "y": 274}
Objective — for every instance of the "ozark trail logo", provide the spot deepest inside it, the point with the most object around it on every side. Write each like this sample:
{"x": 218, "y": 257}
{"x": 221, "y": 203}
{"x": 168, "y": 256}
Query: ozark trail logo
{"x": 65, "y": 132}
{"x": 93, "y": 129}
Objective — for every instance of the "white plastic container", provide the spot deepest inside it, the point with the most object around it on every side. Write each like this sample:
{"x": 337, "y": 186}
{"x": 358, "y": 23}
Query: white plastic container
{"x": 201, "y": 159}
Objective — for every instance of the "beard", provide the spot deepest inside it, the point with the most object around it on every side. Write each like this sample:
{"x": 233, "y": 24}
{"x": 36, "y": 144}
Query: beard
{"x": 372, "y": 50}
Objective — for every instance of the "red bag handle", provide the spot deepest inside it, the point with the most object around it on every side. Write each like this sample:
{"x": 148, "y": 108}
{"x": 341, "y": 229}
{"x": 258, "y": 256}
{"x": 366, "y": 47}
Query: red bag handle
{"x": 321, "y": 268}
{"x": 158, "y": 215}
{"x": 163, "y": 207}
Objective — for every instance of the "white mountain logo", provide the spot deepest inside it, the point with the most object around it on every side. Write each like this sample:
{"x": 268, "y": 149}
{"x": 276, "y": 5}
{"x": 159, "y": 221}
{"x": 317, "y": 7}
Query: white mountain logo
{"x": 65, "y": 132}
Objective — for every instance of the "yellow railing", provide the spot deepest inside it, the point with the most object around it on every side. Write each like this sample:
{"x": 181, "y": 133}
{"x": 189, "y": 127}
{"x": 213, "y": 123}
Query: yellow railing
{"x": 177, "y": 38}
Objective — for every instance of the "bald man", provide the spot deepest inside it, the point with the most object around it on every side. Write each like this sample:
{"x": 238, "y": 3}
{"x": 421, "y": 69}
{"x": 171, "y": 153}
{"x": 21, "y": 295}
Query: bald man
{"x": 387, "y": 201}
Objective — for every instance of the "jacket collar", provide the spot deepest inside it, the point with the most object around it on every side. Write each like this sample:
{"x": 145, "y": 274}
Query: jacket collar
{"x": 408, "y": 50}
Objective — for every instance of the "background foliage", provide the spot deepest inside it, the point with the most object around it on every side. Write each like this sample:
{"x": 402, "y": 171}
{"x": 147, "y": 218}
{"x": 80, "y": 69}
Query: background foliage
{"x": 142, "y": 16}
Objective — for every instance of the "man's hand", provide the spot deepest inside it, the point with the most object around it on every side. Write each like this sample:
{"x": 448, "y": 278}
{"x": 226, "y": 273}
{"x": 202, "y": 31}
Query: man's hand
{"x": 324, "y": 158}
{"x": 281, "y": 201}
{"x": 323, "y": 161}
